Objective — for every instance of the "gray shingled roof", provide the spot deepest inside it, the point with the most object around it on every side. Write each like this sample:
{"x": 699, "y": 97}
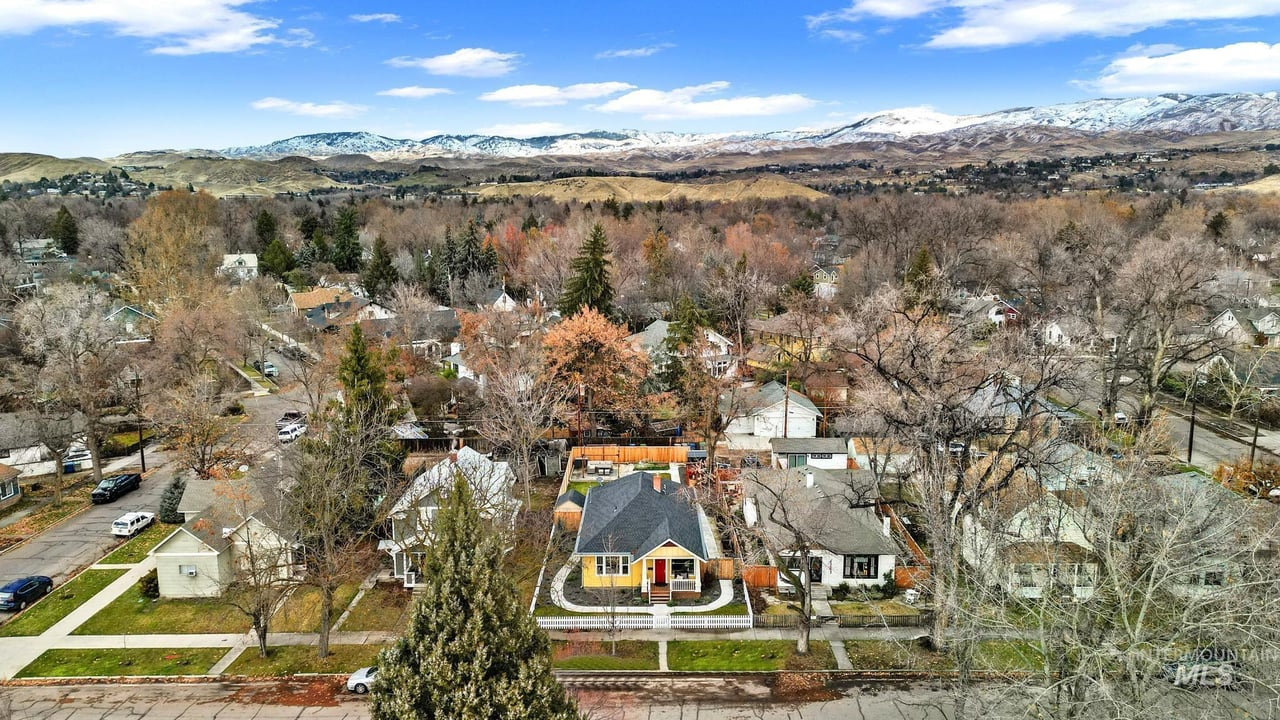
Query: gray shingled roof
{"x": 822, "y": 512}
{"x": 793, "y": 446}
{"x": 629, "y": 516}
{"x": 765, "y": 396}
{"x": 572, "y": 496}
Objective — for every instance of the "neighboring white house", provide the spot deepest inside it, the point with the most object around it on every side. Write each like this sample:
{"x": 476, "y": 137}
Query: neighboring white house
{"x": 717, "y": 356}
{"x": 201, "y": 557}
{"x": 1067, "y": 332}
{"x": 240, "y": 266}
{"x": 849, "y": 544}
{"x": 755, "y": 415}
{"x": 1067, "y": 466}
{"x": 23, "y": 449}
{"x": 1030, "y": 542}
{"x": 1247, "y": 326}
{"x": 825, "y": 453}
{"x": 491, "y": 486}
{"x": 454, "y": 361}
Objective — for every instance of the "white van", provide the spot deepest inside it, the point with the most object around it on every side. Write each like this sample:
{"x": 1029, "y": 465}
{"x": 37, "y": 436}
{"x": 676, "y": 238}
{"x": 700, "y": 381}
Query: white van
{"x": 289, "y": 433}
{"x": 130, "y": 524}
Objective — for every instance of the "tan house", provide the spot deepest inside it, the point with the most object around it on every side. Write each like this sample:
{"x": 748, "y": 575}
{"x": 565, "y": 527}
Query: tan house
{"x": 643, "y": 532}
{"x": 200, "y": 558}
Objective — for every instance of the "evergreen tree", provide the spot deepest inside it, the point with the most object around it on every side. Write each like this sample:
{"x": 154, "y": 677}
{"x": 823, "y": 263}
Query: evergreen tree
{"x": 308, "y": 226}
{"x": 489, "y": 258}
{"x": 264, "y": 226}
{"x": 438, "y": 274}
{"x": 466, "y": 257}
{"x": 363, "y": 377}
{"x": 589, "y": 286}
{"x": 65, "y": 231}
{"x": 170, "y": 500}
{"x": 470, "y": 650}
{"x": 380, "y": 274}
{"x": 918, "y": 280}
{"x": 277, "y": 259}
{"x": 346, "y": 241}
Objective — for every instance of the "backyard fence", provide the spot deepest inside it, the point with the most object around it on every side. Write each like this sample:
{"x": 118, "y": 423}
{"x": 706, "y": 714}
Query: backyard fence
{"x": 760, "y": 576}
{"x": 721, "y": 568}
{"x": 632, "y": 454}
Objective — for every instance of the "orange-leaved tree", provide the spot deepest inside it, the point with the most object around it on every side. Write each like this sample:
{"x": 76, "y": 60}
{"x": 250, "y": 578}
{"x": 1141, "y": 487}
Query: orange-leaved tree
{"x": 590, "y": 357}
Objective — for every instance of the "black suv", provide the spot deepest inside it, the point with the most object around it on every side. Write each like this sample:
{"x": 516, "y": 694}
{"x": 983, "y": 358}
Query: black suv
{"x": 291, "y": 417}
{"x": 113, "y": 487}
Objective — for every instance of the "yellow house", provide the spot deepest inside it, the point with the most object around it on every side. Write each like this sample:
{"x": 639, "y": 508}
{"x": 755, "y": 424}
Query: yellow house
{"x": 643, "y": 532}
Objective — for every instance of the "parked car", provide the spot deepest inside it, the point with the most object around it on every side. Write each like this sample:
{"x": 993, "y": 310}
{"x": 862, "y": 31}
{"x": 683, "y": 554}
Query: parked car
{"x": 1216, "y": 667}
{"x": 1121, "y": 418}
{"x": 131, "y": 523}
{"x": 362, "y": 679}
{"x": 266, "y": 368}
{"x": 115, "y": 486}
{"x": 293, "y": 352}
{"x": 292, "y": 417}
{"x": 289, "y": 433}
{"x": 18, "y": 594}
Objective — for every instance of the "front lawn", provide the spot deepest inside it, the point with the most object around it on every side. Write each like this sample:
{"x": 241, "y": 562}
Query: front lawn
{"x": 875, "y": 608}
{"x": 597, "y": 655}
{"x": 135, "y": 549}
{"x": 58, "y": 604}
{"x": 889, "y": 655}
{"x": 294, "y": 659}
{"x": 132, "y": 614}
{"x": 747, "y": 655}
{"x": 301, "y": 611}
{"x": 1009, "y": 656}
{"x": 385, "y": 606}
{"x": 111, "y": 662}
{"x": 733, "y": 608}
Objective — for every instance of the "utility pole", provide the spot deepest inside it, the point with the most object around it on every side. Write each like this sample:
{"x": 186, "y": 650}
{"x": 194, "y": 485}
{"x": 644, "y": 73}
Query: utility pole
{"x": 1253, "y": 446}
{"x": 137, "y": 418}
{"x": 786, "y": 402}
{"x": 1191, "y": 437}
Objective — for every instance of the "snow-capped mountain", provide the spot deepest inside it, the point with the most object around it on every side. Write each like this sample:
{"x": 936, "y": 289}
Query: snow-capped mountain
{"x": 1184, "y": 114}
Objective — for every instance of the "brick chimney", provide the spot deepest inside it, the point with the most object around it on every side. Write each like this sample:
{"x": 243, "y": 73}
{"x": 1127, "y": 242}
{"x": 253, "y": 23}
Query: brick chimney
{"x": 657, "y": 483}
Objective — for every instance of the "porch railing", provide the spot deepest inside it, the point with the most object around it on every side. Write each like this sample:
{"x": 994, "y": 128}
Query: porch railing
{"x": 684, "y": 585}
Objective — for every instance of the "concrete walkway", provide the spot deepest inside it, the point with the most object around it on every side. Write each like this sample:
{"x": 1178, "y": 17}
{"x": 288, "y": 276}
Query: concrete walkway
{"x": 841, "y": 654}
{"x": 557, "y": 597}
{"x": 662, "y": 656}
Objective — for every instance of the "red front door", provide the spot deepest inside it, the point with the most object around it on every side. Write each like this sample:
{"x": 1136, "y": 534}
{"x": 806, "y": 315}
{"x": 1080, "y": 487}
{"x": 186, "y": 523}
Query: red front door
{"x": 659, "y": 572}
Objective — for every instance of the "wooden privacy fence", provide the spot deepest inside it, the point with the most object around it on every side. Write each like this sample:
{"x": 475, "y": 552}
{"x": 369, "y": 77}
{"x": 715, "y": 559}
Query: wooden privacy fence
{"x": 632, "y": 453}
{"x": 760, "y": 576}
{"x": 721, "y": 568}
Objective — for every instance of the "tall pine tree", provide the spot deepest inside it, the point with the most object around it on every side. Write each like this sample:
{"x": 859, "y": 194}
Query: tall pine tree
{"x": 470, "y": 650}
{"x": 589, "y": 286}
{"x": 277, "y": 259}
{"x": 363, "y": 378}
{"x": 380, "y": 274}
{"x": 345, "y": 254}
{"x": 65, "y": 231}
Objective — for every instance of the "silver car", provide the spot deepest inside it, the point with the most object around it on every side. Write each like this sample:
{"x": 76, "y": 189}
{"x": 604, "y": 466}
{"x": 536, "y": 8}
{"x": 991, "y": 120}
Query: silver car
{"x": 362, "y": 679}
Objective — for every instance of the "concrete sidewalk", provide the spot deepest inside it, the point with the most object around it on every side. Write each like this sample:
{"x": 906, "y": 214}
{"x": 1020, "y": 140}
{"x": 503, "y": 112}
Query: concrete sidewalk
{"x": 827, "y": 633}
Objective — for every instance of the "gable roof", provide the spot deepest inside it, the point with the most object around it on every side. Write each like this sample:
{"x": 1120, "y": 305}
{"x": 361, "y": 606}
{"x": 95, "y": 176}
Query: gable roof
{"x": 7, "y": 473}
{"x": 201, "y": 527}
{"x": 628, "y": 516}
{"x": 23, "y": 429}
{"x": 823, "y": 512}
{"x": 571, "y": 496}
{"x": 489, "y": 480}
{"x": 652, "y": 337}
{"x": 320, "y": 297}
{"x": 763, "y": 397}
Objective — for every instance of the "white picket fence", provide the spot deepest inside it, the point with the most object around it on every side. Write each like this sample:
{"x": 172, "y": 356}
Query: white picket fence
{"x": 688, "y": 621}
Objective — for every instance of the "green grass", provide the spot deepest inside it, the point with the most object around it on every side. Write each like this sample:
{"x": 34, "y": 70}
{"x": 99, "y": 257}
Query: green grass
{"x": 733, "y": 608}
{"x": 136, "y": 548}
{"x": 59, "y": 603}
{"x": 597, "y": 655}
{"x": 385, "y": 606}
{"x": 110, "y": 662}
{"x": 747, "y": 655}
{"x": 875, "y": 608}
{"x": 1009, "y": 656}
{"x": 294, "y": 659}
{"x": 132, "y": 614}
{"x": 583, "y": 486}
{"x": 301, "y": 612}
{"x": 889, "y": 655}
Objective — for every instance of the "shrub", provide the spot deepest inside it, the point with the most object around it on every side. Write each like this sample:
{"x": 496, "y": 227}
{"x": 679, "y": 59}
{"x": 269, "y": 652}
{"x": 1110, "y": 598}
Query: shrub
{"x": 236, "y": 408}
{"x": 841, "y": 591}
{"x": 149, "y": 585}
{"x": 169, "y": 501}
{"x": 889, "y": 588}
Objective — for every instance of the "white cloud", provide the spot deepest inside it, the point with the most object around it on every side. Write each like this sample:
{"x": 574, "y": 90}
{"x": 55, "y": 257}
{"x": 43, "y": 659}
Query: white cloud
{"x": 182, "y": 27}
{"x": 544, "y": 95}
{"x": 1241, "y": 66}
{"x": 684, "y": 103}
{"x": 999, "y": 23}
{"x": 633, "y": 52}
{"x": 415, "y": 92}
{"x": 335, "y": 109}
{"x": 467, "y": 62}
{"x": 526, "y": 130}
{"x": 376, "y": 17}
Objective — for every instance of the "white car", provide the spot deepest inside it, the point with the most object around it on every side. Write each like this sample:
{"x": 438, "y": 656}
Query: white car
{"x": 362, "y": 679}
{"x": 289, "y": 433}
{"x": 130, "y": 524}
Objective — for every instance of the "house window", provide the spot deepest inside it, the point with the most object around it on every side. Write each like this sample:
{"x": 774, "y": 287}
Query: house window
{"x": 1026, "y": 575}
{"x": 8, "y": 490}
{"x": 795, "y": 461}
{"x": 819, "y": 456}
{"x": 861, "y": 567}
{"x": 189, "y": 570}
{"x": 682, "y": 569}
{"x": 4, "y": 452}
{"x": 1214, "y": 578}
{"x": 607, "y": 565}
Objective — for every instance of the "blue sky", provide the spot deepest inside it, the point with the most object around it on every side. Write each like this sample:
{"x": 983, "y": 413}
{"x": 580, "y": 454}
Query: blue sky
{"x": 99, "y": 77}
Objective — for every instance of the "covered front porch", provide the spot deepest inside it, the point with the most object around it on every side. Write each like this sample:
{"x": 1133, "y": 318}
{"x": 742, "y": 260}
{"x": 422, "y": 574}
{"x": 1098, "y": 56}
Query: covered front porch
{"x": 664, "y": 578}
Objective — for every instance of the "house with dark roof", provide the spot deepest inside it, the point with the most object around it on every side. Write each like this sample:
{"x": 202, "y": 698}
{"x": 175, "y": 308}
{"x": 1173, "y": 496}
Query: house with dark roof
{"x": 832, "y": 514}
{"x": 826, "y": 453}
{"x": 23, "y": 447}
{"x": 10, "y": 490}
{"x": 717, "y": 354}
{"x": 753, "y": 415}
{"x": 643, "y": 532}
